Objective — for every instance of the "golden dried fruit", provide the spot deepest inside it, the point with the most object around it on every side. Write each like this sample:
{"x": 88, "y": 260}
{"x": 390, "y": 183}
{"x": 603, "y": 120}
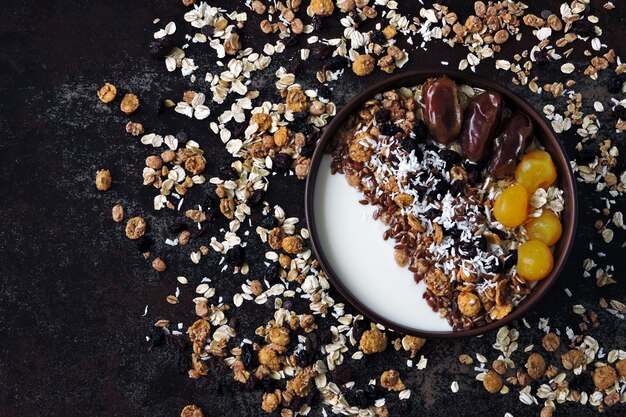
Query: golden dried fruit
{"x": 363, "y": 65}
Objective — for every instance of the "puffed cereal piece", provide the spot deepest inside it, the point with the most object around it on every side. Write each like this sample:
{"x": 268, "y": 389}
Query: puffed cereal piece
{"x": 413, "y": 344}
{"x": 117, "y": 213}
{"x": 263, "y": 120}
{"x": 269, "y": 358}
{"x": 199, "y": 332}
{"x": 107, "y": 93}
{"x": 281, "y": 136}
{"x": 270, "y": 402}
{"x": 604, "y": 377}
{"x": 373, "y": 340}
{"x": 103, "y": 179}
{"x": 292, "y": 244}
{"x": 135, "y": 228}
{"x": 572, "y": 359}
{"x": 191, "y": 411}
{"x": 363, "y": 65}
{"x": 492, "y": 382}
{"x": 469, "y": 304}
{"x": 296, "y": 100}
{"x": 536, "y": 366}
{"x": 130, "y": 103}
{"x": 279, "y": 336}
{"x": 390, "y": 32}
{"x": 322, "y": 7}
{"x": 391, "y": 381}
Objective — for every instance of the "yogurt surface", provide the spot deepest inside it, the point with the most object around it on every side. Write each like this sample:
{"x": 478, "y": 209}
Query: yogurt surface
{"x": 362, "y": 260}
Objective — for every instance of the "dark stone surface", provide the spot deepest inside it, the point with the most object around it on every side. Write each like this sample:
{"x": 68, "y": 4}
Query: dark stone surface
{"x": 73, "y": 288}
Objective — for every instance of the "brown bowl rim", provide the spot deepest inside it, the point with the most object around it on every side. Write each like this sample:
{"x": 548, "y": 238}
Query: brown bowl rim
{"x": 542, "y": 131}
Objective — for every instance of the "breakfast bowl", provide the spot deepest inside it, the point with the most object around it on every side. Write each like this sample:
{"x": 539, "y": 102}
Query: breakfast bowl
{"x": 440, "y": 204}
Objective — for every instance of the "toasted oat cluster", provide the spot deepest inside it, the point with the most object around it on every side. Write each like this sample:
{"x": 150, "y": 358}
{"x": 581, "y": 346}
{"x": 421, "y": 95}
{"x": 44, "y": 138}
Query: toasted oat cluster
{"x": 468, "y": 211}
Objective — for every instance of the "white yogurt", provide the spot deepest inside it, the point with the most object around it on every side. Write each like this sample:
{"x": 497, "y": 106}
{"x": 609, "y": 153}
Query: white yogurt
{"x": 362, "y": 260}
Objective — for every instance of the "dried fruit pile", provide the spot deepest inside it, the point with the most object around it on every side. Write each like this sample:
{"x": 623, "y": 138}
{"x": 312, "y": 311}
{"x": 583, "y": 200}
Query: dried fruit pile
{"x": 301, "y": 356}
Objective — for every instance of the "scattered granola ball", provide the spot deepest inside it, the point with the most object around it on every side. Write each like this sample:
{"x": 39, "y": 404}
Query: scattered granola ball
{"x": 492, "y": 382}
{"x": 621, "y": 367}
{"x": 103, "y": 179}
{"x": 130, "y": 103}
{"x": 604, "y": 377}
{"x": 191, "y": 411}
{"x": 195, "y": 164}
{"x": 199, "y": 332}
{"x": 413, "y": 344}
{"x": 107, "y": 93}
{"x": 275, "y": 238}
{"x": 159, "y": 265}
{"x": 269, "y": 358}
{"x": 391, "y": 381}
{"x": 572, "y": 359}
{"x": 390, "y": 32}
{"x": 263, "y": 120}
{"x": 134, "y": 128}
{"x": 292, "y": 244}
{"x": 296, "y": 100}
{"x": 551, "y": 342}
{"x": 168, "y": 156}
{"x": 322, "y": 7}
{"x": 536, "y": 366}
{"x": 363, "y": 65}
{"x": 473, "y": 24}
{"x": 117, "y": 213}
{"x": 154, "y": 162}
{"x": 135, "y": 228}
{"x": 258, "y": 7}
{"x": 279, "y": 336}
{"x": 302, "y": 169}
{"x": 469, "y": 304}
{"x": 281, "y": 136}
{"x": 256, "y": 287}
{"x": 270, "y": 402}
{"x": 437, "y": 282}
{"x": 501, "y": 36}
{"x": 373, "y": 340}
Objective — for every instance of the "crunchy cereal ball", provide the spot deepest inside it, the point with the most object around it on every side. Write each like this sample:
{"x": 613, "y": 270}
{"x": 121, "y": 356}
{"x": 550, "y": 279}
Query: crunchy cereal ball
{"x": 469, "y": 304}
{"x": 373, "y": 340}
{"x": 134, "y": 128}
{"x": 107, "y": 93}
{"x": 437, "y": 282}
{"x": 117, "y": 213}
{"x": 391, "y": 381}
{"x": 195, "y": 164}
{"x": 191, "y": 411}
{"x": 536, "y": 366}
{"x": 135, "y": 228}
{"x": 390, "y": 32}
{"x": 604, "y": 377}
{"x": 279, "y": 336}
{"x": 154, "y": 162}
{"x": 270, "y": 402}
{"x": 474, "y": 24}
{"x": 322, "y": 7}
{"x": 159, "y": 265}
{"x": 302, "y": 383}
{"x": 199, "y": 332}
{"x": 358, "y": 152}
{"x": 168, "y": 156}
{"x": 269, "y": 358}
{"x": 363, "y": 65}
{"x": 103, "y": 179}
{"x": 275, "y": 238}
{"x": 572, "y": 359}
{"x": 296, "y": 100}
{"x": 281, "y": 136}
{"x": 492, "y": 382}
{"x": 621, "y": 367}
{"x": 499, "y": 366}
{"x": 412, "y": 344}
{"x": 292, "y": 244}
{"x": 263, "y": 120}
{"x": 130, "y": 103}
{"x": 551, "y": 342}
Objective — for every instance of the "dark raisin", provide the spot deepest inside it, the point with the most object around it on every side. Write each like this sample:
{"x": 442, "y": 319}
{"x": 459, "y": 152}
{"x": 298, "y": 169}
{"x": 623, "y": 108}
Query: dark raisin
{"x": 300, "y": 126}
{"x": 312, "y": 342}
{"x": 228, "y": 174}
{"x": 247, "y": 355}
{"x": 256, "y": 198}
{"x": 432, "y": 213}
{"x": 144, "y": 243}
{"x": 474, "y": 172}
{"x": 467, "y": 249}
{"x": 308, "y": 150}
{"x": 373, "y": 391}
{"x": 236, "y": 256}
{"x": 588, "y": 152}
{"x": 316, "y": 22}
{"x": 403, "y": 407}
{"x": 211, "y": 207}
{"x": 583, "y": 28}
{"x": 388, "y": 129}
{"x": 177, "y": 227}
{"x": 481, "y": 243}
{"x": 360, "y": 399}
{"x": 410, "y": 143}
{"x": 454, "y": 232}
{"x": 360, "y": 326}
{"x": 157, "y": 337}
{"x": 457, "y": 188}
{"x": 420, "y": 130}
{"x": 282, "y": 163}
{"x": 234, "y": 322}
{"x": 511, "y": 260}
{"x": 196, "y": 233}
{"x": 620, "y": 112}
{"x": 271, "y": 273}
{"x": 382, "y": 115}
{"x": 582, "y": 382}
{"x": 176, "y": 343}
{"x": 326, "y": 336}
{"x": 342, "y": 374}
{"x": 450, "y": 157}
{"x": 321, "y": 51}
{"x": 614, "y": 84}
{"x": 293, "y": 66}
{"x": 161, "y": 48}
{"x": 440, "y": 189}
{"x": 303, "y": 359}
{"x": 207, "y": 30}
{"x": 335, "y": 63}
{"x": 378, "y": 37}
{"x": 287, "y": 305}
{"x": 541, "y": 57}
{"x": 182, "y": 138}
{"x": 291, "y": 40}
{"x": 268, "y": 222}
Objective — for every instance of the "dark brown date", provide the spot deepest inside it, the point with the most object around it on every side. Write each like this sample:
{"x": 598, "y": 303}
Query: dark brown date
{"x": 480, "y": 121}
{"x": 509, "y": 146}
{"x": 442, "y": 109}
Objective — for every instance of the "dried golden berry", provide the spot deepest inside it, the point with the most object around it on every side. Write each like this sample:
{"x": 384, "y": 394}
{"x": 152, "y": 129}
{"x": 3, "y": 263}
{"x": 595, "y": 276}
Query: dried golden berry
{"x": 373, "y": 340}
{"x": 135, "y": 228}
{"x": 292, "y": 244}
{"x": 107, "y": 93}
{"x": 492, "y": 382}
{"x": 279, "y": 336}
{"x": 269, "y": 358}
{"x": 322, "y": 7}
{"x": 191, "y": 411}
{"x": 391, "y": 381}
{"x": 195, "y": 164}
{"x": 296, "y": 100}
{"x": 103, "y": 179}
{"x": 363, "y": 65}
{"x": 129, "y": 104}
{"x": 604, "y": 377}
{"x": 469, "y": 304}
{"x": 536, "y": 366}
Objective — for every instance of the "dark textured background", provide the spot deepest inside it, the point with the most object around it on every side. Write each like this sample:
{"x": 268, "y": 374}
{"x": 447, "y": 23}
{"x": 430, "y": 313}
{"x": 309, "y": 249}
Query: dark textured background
{"x": 73, "y": 288}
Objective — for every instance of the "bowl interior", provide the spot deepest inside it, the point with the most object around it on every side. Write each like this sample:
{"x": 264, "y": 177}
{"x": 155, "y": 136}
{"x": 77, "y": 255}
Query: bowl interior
{"x": 544, "y": 135}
